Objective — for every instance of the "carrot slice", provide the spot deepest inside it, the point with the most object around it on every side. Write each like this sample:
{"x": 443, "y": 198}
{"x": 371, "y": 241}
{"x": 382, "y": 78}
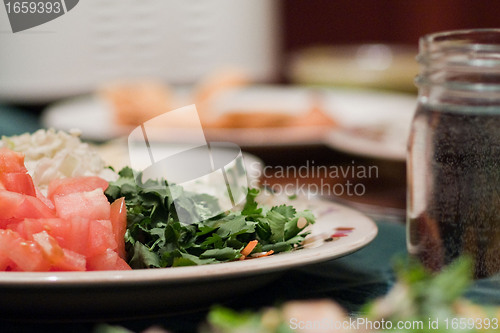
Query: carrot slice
{"x": 268, "y": 253}
{"x": 249, "y": 248}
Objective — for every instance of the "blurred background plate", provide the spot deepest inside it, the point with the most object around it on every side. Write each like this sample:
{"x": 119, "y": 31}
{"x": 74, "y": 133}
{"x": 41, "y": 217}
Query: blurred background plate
{"x": 373, "y": 124}
{"x": 374, "y": 66}
{"x": 378, "y": 118}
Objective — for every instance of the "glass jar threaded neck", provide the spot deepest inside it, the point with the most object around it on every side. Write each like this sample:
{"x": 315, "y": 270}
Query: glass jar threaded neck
{"x": 462, "y": 60}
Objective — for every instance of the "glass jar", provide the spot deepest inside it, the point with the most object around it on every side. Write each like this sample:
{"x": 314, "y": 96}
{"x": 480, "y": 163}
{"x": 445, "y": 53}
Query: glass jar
{"x": 454, "y": 151}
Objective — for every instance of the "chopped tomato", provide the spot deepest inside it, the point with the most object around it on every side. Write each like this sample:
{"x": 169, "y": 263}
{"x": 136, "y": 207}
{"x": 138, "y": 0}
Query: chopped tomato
{"x": 77, "y": 237}
{"x": 6, "y": 237}
{"x": 34, "y": 208}
{"x": 71, "y": 261}
{"x": 55, "y": 227}
{"x": 29, "y": 257}
{"x": 101, "y": 237}
{"x": 66, "y": 186}
{"x": 4, "y": 261}
{"x": 92, "y": 205}
{"x": 9, "y": 203}
{"x": 9, "y": 223}
{"x": 49, "y": 246}
{"x": 17, "y": 205}
{"x": 108, "y": 260}
{"x": 27, "y": 227}
{"x": 19, "y": 182}
{"x": 11, "y": 161}
{"x": 44, "y": 199}
{"x": 118, "y": 218}
{"x": 25, "y": 255}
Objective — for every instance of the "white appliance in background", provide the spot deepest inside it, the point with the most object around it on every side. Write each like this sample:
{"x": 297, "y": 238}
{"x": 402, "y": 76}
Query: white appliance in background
{"x": 177, "y": 41}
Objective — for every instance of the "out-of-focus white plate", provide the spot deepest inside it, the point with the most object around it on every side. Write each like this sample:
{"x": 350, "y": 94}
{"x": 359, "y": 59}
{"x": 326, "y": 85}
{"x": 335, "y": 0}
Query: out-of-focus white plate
{"x": 373, "y": 124}
{"x": 371, "y": 66}
{"x": 369, "y": 123}
{"x": 126, "y": 294}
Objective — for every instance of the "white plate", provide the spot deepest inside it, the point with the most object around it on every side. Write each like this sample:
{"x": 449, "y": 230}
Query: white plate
{"x": 126, "y": 294}
{"x": 388, "y": 114}
{"x": 374, "y": 124}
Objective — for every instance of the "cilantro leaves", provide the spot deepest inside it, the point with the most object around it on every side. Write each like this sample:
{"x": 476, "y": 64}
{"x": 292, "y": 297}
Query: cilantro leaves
{"x": 156, "y": 238}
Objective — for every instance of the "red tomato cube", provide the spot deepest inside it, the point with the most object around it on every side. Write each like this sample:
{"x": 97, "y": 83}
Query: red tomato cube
{"x": 7, "y": 237}
{"x": 92, "y": 205}
{"x": 11, "y": 161}
{"x": 77, "y": 237}
{"x": 19, "y": 182}
{"x": 9, "y": 203}
{"x": 33, "y": 207}
{"x": 101, "y": 237}
{"x": 64, "y": 186}
{"x": 106, "y": 261}
{"x": 4, "y": 262}
{"x": 49, "y": 246}
{"x": 55, "y": 227}
{"x": 27, "y": 227}
{"x": 71, "y": 261}
{"x": 20, "y": 206}
{"x": 44, "y": 199}
{"x": 27, "y": 256}
{"x": 118, "y": 218}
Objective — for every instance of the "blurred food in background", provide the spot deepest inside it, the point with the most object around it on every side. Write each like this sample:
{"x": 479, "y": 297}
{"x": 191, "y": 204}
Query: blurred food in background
{"x": 373, "y": 66}
{"x": 263, "y": 113}
{"x": 233, "y": 108}
{"x": 133, "y": 102}
{"x": 230, "y": 105}
{"x": 223, "y": 99}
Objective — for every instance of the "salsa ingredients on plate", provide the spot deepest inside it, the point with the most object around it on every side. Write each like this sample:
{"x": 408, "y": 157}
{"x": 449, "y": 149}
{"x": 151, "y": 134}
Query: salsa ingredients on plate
{"x": 156, "y": 238}
{"x": 54, "y": 215}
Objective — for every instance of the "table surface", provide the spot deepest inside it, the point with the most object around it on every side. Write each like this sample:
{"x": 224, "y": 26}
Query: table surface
{"x": 350, "y": 281}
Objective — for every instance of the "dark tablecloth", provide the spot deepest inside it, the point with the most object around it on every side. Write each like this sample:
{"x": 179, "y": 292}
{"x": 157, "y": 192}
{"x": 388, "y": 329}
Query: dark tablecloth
{"x": 15, "y": 121}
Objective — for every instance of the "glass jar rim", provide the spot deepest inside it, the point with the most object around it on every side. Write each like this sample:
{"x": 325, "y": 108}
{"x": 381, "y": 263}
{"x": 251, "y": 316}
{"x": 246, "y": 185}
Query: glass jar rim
{"x": 461, "y": 52}
{"x": 473, "y": 48}
{"x": 478, "y": 40}
{"x": 455, "y": 34}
